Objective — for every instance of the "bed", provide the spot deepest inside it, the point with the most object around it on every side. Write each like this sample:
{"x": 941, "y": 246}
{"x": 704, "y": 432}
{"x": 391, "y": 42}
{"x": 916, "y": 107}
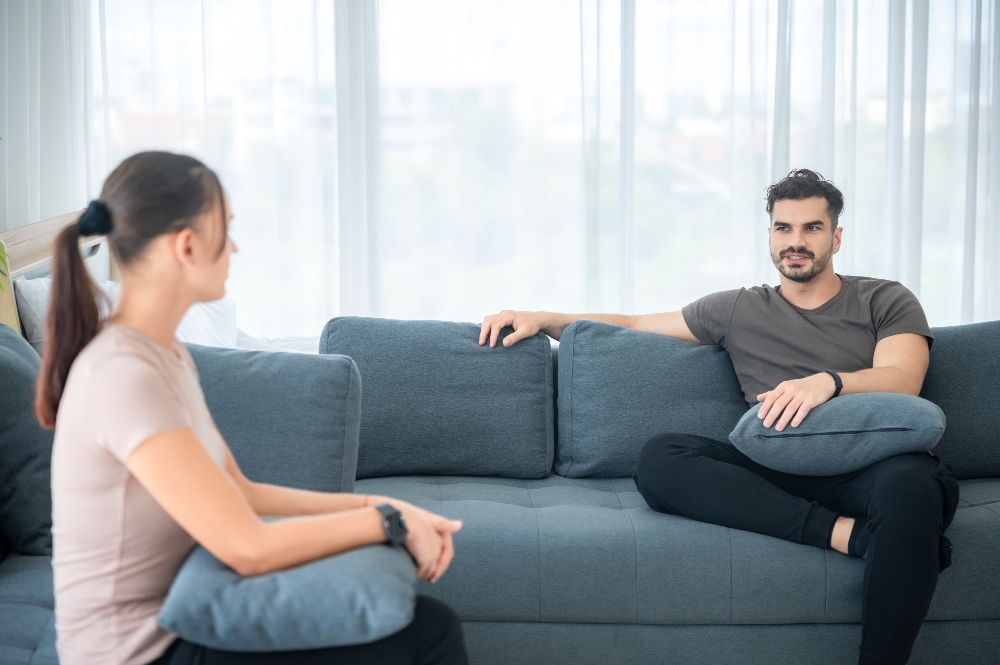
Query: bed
{"x": 25, "y": 288}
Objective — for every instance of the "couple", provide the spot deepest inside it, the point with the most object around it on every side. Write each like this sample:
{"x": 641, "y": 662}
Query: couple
{"x": 140, "y": 474}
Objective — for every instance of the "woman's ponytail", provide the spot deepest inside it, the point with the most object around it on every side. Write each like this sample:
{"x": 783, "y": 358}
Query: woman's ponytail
{"x": 74, "y": 315}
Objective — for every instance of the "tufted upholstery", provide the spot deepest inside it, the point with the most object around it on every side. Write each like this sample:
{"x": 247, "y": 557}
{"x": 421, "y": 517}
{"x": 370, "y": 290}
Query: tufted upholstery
{"x": 27, "y": 628}
{"x": 590, "y": 551}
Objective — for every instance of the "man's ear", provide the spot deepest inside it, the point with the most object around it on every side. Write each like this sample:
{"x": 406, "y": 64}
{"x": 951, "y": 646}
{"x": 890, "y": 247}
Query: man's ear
{"x": 183, "y": 246}
{"x": 837, "y": 238}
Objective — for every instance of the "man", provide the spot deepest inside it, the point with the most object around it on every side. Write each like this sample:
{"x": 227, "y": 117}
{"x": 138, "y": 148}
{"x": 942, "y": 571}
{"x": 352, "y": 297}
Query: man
{"x": 872, "y": 335}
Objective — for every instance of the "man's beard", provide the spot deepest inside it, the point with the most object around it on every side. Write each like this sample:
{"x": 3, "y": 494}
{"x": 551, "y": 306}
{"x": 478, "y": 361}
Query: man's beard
{"x": 797, "y": 274}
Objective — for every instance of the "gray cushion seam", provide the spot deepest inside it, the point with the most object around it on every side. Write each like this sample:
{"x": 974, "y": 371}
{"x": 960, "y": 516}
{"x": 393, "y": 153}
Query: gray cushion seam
{"x": 347, "y": 403}
{"x": 992, "y": 511}
{"x": 538, "y": 539}
{"x": 732, "y": 582}
{"x": 635, "y": 543}
{"x": 52, "y": 620}
{"x": 572, "y": 368}
{"x": 826, "y": 601}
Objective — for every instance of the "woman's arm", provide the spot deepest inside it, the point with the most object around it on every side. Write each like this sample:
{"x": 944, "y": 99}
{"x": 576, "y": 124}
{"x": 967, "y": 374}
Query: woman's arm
{"x": 208, "y": 503}
{"x": 275, "y": 500}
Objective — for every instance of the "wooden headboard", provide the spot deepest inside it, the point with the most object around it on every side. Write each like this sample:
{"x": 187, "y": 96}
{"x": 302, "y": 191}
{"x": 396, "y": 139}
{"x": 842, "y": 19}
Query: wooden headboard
{"x": 29, "y": 248}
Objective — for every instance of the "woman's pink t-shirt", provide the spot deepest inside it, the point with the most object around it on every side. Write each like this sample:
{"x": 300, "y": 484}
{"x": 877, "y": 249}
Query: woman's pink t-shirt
{"x": 115, "y": 550}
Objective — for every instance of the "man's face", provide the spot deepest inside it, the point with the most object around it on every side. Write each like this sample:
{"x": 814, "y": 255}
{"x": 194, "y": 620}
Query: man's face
{"x": 803, "y": 239}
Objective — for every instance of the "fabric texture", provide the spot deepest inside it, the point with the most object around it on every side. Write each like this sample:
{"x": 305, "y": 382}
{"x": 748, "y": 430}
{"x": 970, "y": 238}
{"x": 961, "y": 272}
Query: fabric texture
{"x": 25, "y": 449}
{"x": 843, "y": 434}
{"x": 770, "y": 340}
{"x": 964, "y": 380}
{"x": 27, "y": 622}
{"x": 354, "y": 597}
{"x": 290, "y": 419}
{"x": 115, "y": 549}
{"x": 503, "y": 643}
{"x": 435, "y": 401}
{"x": 618, "y": 387}
{"x": 591, "y": 551}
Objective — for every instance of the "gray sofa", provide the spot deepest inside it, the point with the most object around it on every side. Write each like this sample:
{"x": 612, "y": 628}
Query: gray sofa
{"x": 560, "y": 560}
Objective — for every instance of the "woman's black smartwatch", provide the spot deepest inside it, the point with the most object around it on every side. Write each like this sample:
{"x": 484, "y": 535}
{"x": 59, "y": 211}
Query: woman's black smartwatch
{"x": 393, "y": 524}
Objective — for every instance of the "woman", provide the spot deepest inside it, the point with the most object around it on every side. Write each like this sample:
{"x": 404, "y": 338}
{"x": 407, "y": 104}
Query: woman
{"x": 139, "y": 471}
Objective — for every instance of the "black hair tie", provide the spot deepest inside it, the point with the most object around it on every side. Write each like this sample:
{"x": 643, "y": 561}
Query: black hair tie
{"x": 95, "y": 220}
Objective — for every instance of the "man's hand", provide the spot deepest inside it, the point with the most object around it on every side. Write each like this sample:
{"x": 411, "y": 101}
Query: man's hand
{"x": 525, "y": 324}
{"x": 791, "y": 401}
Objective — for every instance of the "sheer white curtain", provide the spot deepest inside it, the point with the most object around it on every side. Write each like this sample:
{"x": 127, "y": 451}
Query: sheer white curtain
{"x": 445, "y": 158}
{"x": 42, "y": 132}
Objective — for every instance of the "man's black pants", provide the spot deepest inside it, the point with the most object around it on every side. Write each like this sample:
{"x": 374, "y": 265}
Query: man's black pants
{"x": 908, "y": 501}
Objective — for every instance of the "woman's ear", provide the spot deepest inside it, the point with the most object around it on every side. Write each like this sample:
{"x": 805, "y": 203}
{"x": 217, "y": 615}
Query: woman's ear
{"x": 183, "y": 246}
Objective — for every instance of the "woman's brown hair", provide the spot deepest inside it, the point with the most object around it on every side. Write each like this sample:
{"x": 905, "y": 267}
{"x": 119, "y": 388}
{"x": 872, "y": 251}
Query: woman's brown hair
{"x": 148, "y": 195}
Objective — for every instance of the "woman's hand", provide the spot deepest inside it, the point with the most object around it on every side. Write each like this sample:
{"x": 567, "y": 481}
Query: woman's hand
{"x": 429, "y": 539}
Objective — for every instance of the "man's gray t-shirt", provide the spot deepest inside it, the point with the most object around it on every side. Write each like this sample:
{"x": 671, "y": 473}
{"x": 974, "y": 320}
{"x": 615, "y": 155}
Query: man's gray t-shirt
{"x": 770, "y": 340}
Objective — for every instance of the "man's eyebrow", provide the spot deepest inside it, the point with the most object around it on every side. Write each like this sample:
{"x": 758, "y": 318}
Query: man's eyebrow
{"x": 815, "y": 222}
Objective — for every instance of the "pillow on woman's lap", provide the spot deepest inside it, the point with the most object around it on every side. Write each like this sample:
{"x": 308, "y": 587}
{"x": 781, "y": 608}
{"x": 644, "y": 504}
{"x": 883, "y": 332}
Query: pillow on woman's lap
{"x": 354, "y": 597}
{"x": 843, "y": 435}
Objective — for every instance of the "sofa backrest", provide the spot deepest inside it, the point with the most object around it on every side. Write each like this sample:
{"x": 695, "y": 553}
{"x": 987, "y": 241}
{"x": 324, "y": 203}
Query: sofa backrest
{"x": 964, "y": 380}
{"x": 619, "y": 387}
{"x": 436, "y": 402}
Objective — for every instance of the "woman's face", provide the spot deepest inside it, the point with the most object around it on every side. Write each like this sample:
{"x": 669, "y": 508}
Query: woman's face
{"x": 208, "y": 270}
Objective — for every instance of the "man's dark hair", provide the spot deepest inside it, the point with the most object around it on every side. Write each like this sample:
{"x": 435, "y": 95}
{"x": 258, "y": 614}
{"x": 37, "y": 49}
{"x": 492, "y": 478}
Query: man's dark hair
{"x": 803, "y": 184}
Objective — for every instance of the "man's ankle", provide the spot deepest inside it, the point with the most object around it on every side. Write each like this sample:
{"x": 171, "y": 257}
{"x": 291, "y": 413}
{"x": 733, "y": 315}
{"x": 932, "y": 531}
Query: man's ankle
{"x": 840, "y": 537}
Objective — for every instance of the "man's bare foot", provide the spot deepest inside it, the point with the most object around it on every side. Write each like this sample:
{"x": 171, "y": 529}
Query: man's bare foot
{"x": 841, "y": 535}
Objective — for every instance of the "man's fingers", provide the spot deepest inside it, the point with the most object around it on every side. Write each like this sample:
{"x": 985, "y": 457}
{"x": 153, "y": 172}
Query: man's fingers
{"x": 779, "y": 405}
{"x": 765, "y": 408}
{"x": 786, "y": 416}
{"x": 801, "y": 414}
{"x": 484, "y": 330}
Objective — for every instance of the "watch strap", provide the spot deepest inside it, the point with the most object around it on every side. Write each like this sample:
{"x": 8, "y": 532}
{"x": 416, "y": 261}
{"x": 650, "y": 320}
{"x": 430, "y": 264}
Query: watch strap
{"x": 393, "y": 524}
{"x": 836, "y": 381}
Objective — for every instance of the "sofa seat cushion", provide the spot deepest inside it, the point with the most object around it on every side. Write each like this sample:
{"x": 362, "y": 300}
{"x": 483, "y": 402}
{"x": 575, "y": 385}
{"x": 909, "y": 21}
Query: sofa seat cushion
{"x": 590, "y": 550}
{"x": 27, "y": 622}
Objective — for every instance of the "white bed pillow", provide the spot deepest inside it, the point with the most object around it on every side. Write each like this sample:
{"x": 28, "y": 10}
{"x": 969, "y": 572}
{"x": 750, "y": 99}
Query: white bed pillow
{"x": 206, "y": 323}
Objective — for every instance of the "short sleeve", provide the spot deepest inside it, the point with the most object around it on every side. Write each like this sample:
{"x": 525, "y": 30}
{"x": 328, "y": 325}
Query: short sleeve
{"x": 896, "y": 310}
{"x": 709, "y": 318}
{"x": 129, "y": 401}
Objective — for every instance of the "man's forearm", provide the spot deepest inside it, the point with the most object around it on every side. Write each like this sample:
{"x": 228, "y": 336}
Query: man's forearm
{"x": 553, "y": 323}
{"x": 883, "y": 380}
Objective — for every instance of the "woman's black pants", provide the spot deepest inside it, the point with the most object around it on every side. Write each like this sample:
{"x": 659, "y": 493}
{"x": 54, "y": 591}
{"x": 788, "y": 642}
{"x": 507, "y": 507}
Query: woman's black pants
{"x": 907, "y": 500}
{"x": 433, "y": 638}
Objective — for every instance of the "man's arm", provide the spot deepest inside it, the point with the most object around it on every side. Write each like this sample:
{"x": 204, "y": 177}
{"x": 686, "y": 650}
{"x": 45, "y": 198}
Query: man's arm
{"x": 899, "y": 366}
{"x": 526, "y": 324}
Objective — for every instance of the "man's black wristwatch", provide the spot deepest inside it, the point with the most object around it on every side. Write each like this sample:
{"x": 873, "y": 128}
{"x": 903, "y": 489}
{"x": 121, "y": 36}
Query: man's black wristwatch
{"x": 393, "y": 524}
{"x": 836, "y": 381}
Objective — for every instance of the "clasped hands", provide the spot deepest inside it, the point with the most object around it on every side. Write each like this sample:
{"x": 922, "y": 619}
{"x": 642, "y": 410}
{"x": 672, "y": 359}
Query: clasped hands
{"x": 428, "y": 538}
{"x": 791, "y": 401}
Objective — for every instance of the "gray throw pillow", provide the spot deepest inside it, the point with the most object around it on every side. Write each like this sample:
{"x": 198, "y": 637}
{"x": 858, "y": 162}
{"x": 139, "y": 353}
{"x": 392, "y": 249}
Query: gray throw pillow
{"x": 351, "y": 598}
{"x": 619, "y": 387}
{"x": 25, "y": 451}
{"x": 436, "y": 402}
{"x": 290, "y": 419}
{"x": 843, "y": 435}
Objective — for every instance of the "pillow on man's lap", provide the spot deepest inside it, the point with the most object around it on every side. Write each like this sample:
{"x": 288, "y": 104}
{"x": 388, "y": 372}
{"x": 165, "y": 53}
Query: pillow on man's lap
{"x": 843, "y": 435}
{"x": 355, "y": 597}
